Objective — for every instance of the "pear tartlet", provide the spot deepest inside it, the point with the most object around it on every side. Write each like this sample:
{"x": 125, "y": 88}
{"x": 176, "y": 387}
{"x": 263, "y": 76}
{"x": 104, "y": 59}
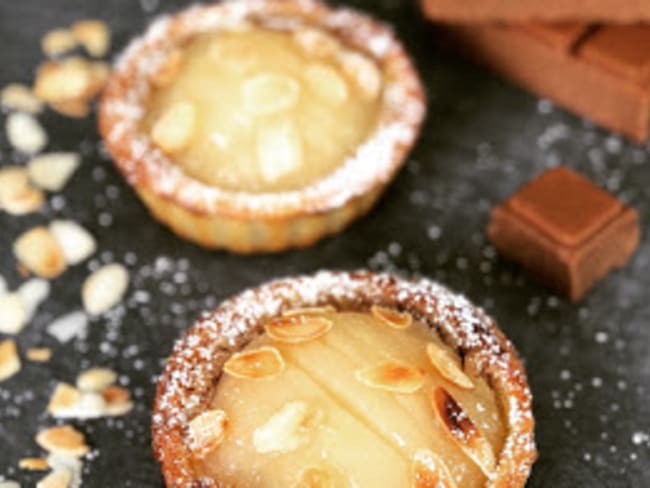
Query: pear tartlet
{"x": 258, "y": 126}
{"x": 344, "y": 380}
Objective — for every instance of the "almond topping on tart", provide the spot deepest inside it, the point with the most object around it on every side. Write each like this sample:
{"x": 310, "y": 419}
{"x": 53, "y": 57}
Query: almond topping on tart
{"x": 174, "y": 129}
{"x": 298, "y": 328}
{"x": 463, "y": 430}
{"x": 286, "y": 430}
{"x": 391, "y": 317}
{"x": 315, "y": 42}
{"x": 363, "y": 71}
{"x": 326, "y": 83}
{"x": 168, "y": 70}
{"x": 279, "y": 149}
{"x": 9, "y": 360}
{"x": 315, "y": 478}
{"x": 429, "y": 471}
{"x": 40, "y": 253}
{"x": 309, "y": 311}
{"x": 207, "y": 431}
{"x": 269, "y": 93}
{"x": 63, "y": 440}
{"x": 265, "y": 362}
{"x": 392, "y": 376}
{"x": 447, "y": 365}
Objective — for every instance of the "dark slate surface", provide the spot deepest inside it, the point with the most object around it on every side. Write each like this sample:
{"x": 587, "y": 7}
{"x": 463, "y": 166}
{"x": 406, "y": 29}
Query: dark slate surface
{"x": 588, "y": 363}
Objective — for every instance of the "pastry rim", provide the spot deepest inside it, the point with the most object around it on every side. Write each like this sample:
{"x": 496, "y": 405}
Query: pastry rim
{"x": 148, "y": 168}
{"x": 185, "y": 388}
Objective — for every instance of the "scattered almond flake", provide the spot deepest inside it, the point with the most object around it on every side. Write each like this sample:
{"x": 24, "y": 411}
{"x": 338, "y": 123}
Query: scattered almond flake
{"x": 16, "y": 96}
{"x": 285, "y": 431}
{"x": 269, "y": 93}
{"x": 96, "y": 379}
{"x": 57, "y": 42}
{"x": 13, "y": 313}
{"x": 316, "y": 42}
{"x": 25, "y": 133}
{"x": 76, "y": 242}
{"x": 9, "y": 360}
{"x": 447, "y": 364}
{"x": 69, "y": 326}
{"x": 279, "y": 149}
{"x": 77, "y": 109}
{"x": 63, "y": 440}
{"x": 168, "y": 70}
{"x": 39, "y": 354}
{"x": 326, "y": 83}
{"x": 17, "y": 196}
{"x": 91, "y": 406}
{"x": 29, "y": 200}
{"x": 262, "y": 363}
{"x": 391, "y": 376}
{"x": 59, "y": 478}
{"x": 175, "y": 128}
{"x": 39, "y": 252}
{"x": 463, "y": 431}
{"x": 207, "y": 431}
{"x": 51, "y": 171}
{"x": 33, "y": 464}
{"x": 363, "y": 71}
{"x": 93, "y": 35}
{"x": 298, "y": 328}
{"x": 65, "y": 80}
{"x": 33, "y": 292}
{"x": 430, "y": 471}
{"x": 73, "y": 465}
{"x": 391, "y": 317}
{"x": 118, "y": 401}
{"x": 104, "y": 288}
{"x": 64, "y": 398}
{"x": 9, "y": 484}
{"x": 309, "y": 311}
{"x": 315, "y": 478}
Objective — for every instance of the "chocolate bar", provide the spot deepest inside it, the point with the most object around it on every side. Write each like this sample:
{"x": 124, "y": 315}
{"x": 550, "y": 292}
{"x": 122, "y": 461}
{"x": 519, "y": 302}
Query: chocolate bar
{"x": 600, "y": 72}
{"x": 611, "y": 11}
{"x": 565, "y": 230}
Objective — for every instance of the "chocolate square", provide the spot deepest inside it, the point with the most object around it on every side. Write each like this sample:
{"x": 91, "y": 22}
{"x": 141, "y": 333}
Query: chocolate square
{"x": 565, "y": 230}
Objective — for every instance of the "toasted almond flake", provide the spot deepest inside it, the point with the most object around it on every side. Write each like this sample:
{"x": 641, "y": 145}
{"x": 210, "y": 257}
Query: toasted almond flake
{"x": 96, "y": 379}
{"x": 269, "y": 93}
{"x": 76, "y": 242}
{"x": 30, "y": 200}
{"x": 391, "y": 376}
{"x": 9, "y": 360}
{"x": 279, "y": 149}
{"x": 326, "y": 83}
{"x": 262, "y": 363}
{"x": 207, "y": 431}
{"x": 175, "y": 128}
{"x": 309, "y": 311}
{"x": 286, "y": 430}
{"x": 16, "y": 96}
{"x": 33, "y": 464}
{"x": 114, "y": 394}
{"x": 463, "y": 431}
{"x": 391, "y": 317}
{"x": 25, "y": 133}
{"x": 430, "y": 471}
{"x": 17, "y": 196}
{"x": 298, "y": 328}
{"x": 61, "y": 81}
{"x": 57, "y": 42}
{"x": 363, "y": 71}
{"x": 59, "y": 478}
{"x": 40, "y": 253}
{"x": 104, "y": 288}
{"x": 13, "y": 313}
{"x": 93, "y": 35}
{"x": 63, "y": 440}
{"x": 39, "y": 354}
{"x": 33, "y": 292}
{"x": 316, "y": 42}
{"x": 64, "y": 399}
{"x": 168, "y": 70}
{"x": 447, "y": 364}
{"x": 73, "y": 465}
{"x": 69, "y": 326}
{"x": 52, "y": 171}
{"x": 77, "y": 109}
{"x": 315, "y": 478}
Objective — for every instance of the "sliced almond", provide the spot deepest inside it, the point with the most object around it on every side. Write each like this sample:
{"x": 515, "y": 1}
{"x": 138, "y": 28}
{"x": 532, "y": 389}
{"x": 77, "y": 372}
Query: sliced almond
{"x": 298, "y": 328}
{"x": 13, "y": 313}
{"x": 326, "y": 83}
{"x": 59, "y": 478}
{"x": 430, "y": 471}
{"x": 76, "y": 242}
{"x": 286, "y": 430}
{"x": 52, "y": 171}
{"x": 63, "y": 440}
{"x": 16, "y": 96}
{"x": 9, "y": 360}
{"x": 77, "y": 109}
{"x": 118, "y": 400}
{"x": 448, "y": 365}
{"x": 104, "y": 288}
{"x": 168, "y": 70}
{"x": 279, "y": 150}
{"x": 29, "y": 200}
{"x": 392, "y": 317}
{"x": 40, "y": 253}
{"x": 463, "y": 431}
{"x": 61, "y": 81}
{"x": 33, "y": 464}
{"x": 207, "y": 431}
{"x": 315, "y": 478}
{"x": 32, "y": 293}
{"x": 25, "y": 133}
{"x": 17, "y": 196}
{"x": 309, "y": 311}
{"x": 96, "y": 379}
{"x": 363, "y": 71}
{"x": 391, "y": 376}
{"x": 316, "y": 42}
{"x": 39, "y": 354}
{"x": 93, "y": 35}
{"x": 269, "y": 93}
{"x": 68, "y": 326}
{"x": 57, "y": 42}
{"x": 174, "y": 129}
{"x": 262, "y": 363}
{"x": 65, "y": 399}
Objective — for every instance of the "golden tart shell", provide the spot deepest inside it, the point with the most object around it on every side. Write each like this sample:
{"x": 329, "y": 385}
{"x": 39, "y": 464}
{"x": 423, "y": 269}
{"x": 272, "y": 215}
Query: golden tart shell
{"x": 189, "y": 380}
{"x": 247, "y": 222}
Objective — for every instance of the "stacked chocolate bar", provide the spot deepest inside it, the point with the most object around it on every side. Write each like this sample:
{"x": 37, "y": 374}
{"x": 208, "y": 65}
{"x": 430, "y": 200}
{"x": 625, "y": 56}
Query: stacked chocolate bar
{"x": 591, "y": 56}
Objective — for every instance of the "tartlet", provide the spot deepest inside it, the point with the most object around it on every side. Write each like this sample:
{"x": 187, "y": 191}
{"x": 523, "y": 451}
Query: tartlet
{"x": 344, "y": 379}
{"x": 258, "y": 126}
